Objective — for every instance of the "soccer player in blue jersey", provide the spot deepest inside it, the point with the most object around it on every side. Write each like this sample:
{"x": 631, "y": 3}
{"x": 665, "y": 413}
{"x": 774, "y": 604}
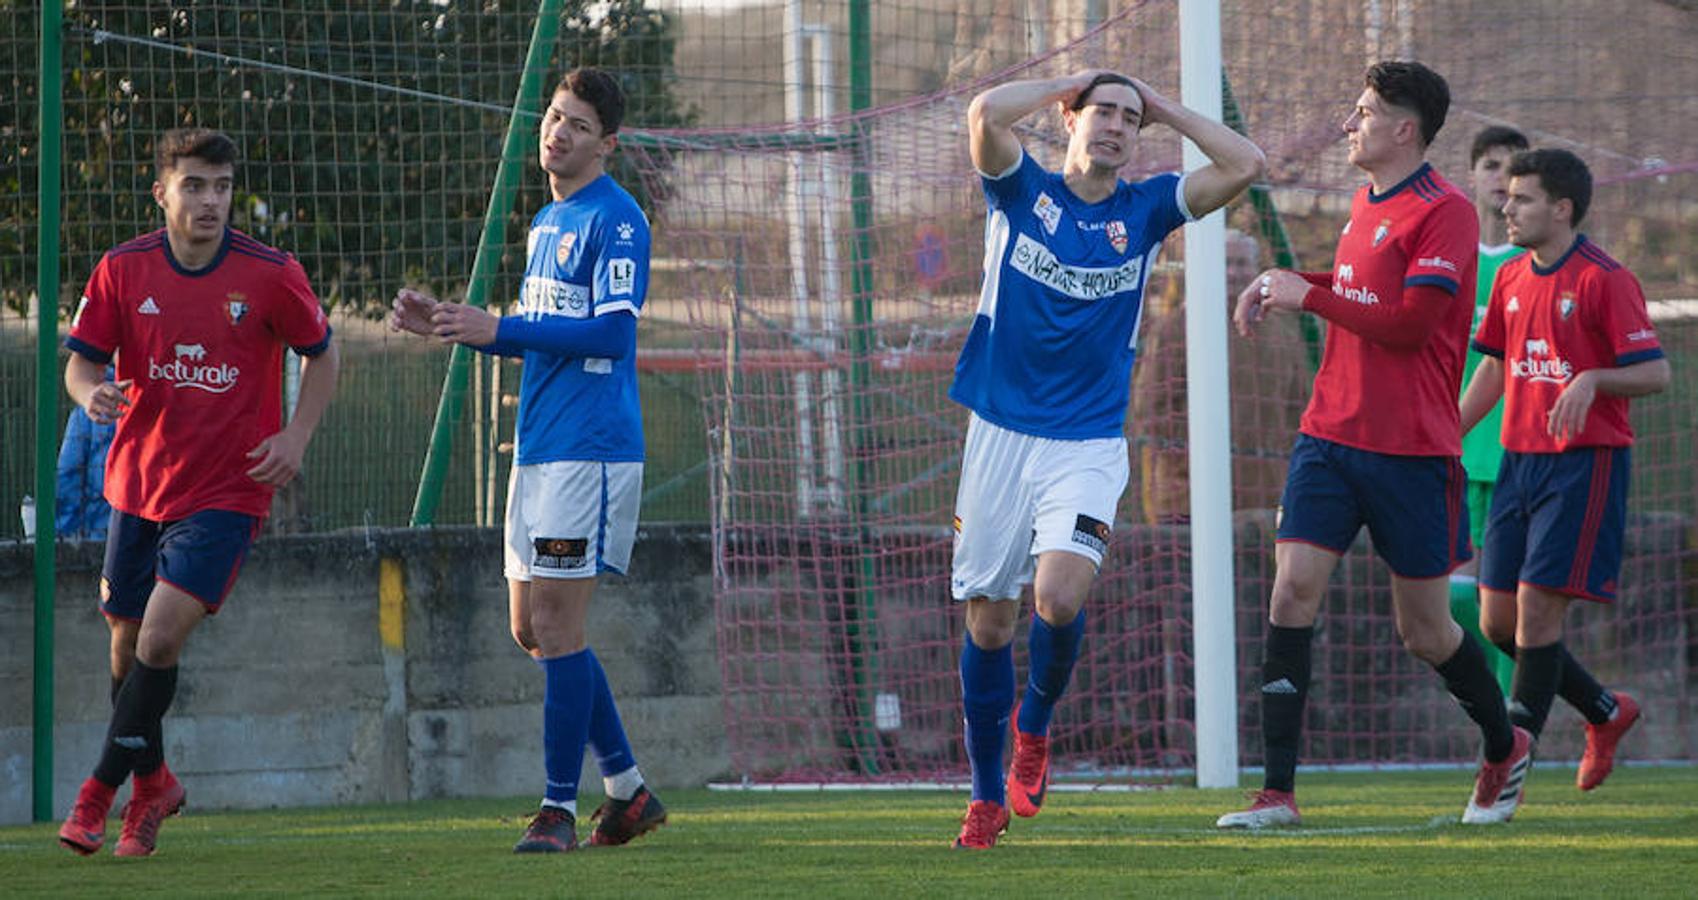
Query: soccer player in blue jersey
{"x": 573, "y": 498}
{"x": 1046, "y": 371}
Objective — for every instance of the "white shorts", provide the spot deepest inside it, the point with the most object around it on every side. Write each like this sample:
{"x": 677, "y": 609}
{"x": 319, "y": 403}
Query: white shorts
{"x": 571, "y": 519}
{"x": 1021, "y": 496}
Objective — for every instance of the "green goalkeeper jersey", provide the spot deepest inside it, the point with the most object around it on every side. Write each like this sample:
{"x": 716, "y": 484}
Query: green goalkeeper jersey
{"x": 1482, "y": 448}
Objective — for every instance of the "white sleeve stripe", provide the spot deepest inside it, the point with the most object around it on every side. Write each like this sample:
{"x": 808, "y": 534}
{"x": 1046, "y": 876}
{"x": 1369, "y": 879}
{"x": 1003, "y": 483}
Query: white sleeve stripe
{"x": 1010, "y": 170}
{"x": 1179, "y": 198}
{"x": 602, "y": 309}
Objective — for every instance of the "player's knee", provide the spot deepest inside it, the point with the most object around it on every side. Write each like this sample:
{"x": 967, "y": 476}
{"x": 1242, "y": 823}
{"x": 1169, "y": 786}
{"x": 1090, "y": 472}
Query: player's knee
{"x": 523, "y": 636}
{"x": 1432, "y": 644}
{"x": 1496, "y": 629}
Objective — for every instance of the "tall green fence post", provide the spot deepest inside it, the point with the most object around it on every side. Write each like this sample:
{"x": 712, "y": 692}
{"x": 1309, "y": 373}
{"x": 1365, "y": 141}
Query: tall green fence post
{"x": 51, "y": 124}
{"x": 863, "y": 634}
{"x": 488, "y": 258}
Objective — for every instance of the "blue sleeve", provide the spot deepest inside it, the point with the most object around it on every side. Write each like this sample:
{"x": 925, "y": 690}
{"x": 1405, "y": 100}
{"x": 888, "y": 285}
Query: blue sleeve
{"x": 611, "y": 336}
{"x": 621, "y": 280}
{"x": 1166, "y": 204}
{"x": 1007, "y": 189}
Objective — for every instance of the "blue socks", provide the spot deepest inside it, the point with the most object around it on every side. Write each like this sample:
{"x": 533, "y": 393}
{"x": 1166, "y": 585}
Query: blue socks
{"x": 607, "y": 733}
{"x": 1052, "y": 650}
{"x": 567, "y": 702}
{"x": 987, "y": 695}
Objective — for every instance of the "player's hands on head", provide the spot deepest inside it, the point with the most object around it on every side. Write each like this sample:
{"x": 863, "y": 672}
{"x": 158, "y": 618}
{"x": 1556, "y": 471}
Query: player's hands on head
{"x": 410, "y": 311}
{"x": 1154, "y": 104}
{"x": 279, "y": 459}
{"x": 1567, "y": 417}
{"x": 457, "y": 323}
{"x": 108, "y": 401}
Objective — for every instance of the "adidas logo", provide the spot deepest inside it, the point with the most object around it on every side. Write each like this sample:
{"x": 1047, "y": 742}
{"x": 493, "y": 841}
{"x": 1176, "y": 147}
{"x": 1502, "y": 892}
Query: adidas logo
{"x": 148, "y": 307}
{"x": 1282, "y": 686}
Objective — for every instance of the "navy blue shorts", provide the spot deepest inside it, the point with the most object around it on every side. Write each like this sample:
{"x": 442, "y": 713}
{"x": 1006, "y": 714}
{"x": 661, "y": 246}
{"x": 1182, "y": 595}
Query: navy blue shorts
{"x": 1557, "y": 521}
{"x": 1414, "y": 506}
{"x": 199, "y": 555}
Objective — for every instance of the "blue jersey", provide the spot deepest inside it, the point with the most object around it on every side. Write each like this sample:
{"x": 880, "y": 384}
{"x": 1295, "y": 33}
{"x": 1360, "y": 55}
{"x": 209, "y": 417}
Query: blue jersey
{"x": 1052, "y": 345}
{"x": 587, "y": 255}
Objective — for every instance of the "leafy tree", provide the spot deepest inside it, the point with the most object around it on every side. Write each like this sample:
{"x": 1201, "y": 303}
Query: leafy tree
{"x": 369, "y": 131}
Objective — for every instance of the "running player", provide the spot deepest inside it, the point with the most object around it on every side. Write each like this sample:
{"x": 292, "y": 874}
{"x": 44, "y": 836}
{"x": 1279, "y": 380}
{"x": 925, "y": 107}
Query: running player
{"x": 1567, "y": 341}
{"x": 577, "y": 479}
{"x": 1045, "y": 371}
{"x": 1379, "y": 442}
{"x": 197, "y": 315}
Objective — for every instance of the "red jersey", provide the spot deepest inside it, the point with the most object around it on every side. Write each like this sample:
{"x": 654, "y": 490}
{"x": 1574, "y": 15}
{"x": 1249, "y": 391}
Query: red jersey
{"x": 1372, "y": 396}
{"x": 1548, "y": 325}
{"x": 205, "y": 352}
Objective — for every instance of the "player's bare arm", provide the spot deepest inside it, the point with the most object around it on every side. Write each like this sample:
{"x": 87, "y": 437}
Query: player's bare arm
{"x": 1485, "y": 388}
{"x": 1567, "y": 417}
{"x": 279, "y": 456}
{"x": 993, "y": 113}
{"x": 1234, "y": 162}
{"x": 85, "y": 381}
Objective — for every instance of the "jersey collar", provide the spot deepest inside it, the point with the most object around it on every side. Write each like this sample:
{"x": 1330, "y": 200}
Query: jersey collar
{"x": 223, "y": 248}
{"x": 1426, "y": 168}
{"x": 1541, "y": 270}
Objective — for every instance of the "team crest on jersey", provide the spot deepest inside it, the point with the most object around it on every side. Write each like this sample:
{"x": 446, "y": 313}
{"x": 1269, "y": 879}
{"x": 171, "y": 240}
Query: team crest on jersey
{"x": 235, "y": 306}
{"x": 1381, "y": 232}
{"x": 1116, "y": 232}
{"x": 563, "y": 250}
{"x": 1048, "y": 212}
{"x": 1565, "y": 305}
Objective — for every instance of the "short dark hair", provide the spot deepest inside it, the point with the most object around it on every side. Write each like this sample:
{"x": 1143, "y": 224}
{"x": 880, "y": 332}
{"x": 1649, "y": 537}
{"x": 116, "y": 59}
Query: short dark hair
{"x": 1102, "y": 78}
{"x": 1412, "y": 86}
{"x": 204, "y": 144}
{"x": 600, "y": 90}
{"x": 1563, "y": 175}
{"x": 1493, "y": 136}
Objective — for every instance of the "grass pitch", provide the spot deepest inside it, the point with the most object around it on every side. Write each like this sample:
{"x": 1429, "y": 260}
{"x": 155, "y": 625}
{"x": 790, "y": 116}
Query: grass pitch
{"x": 1364, "y": 835}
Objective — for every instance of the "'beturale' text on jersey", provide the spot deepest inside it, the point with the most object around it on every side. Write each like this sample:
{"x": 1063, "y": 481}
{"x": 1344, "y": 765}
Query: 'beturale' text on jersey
{"x": 1051, "y": 349}
{"x": 1549, "y": 325}
{"x": 1374, "y": 397}
{"x": 588, "y": 256}
{"x": 204, "y": 350}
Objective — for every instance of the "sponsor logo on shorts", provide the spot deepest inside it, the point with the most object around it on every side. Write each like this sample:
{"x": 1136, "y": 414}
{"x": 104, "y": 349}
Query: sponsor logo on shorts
{"x": 561, "y": 553}
{"x": 1091, "y": 533}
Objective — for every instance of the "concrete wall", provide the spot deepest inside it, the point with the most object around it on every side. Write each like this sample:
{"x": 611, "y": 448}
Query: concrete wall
{"x": 371, "y": 667}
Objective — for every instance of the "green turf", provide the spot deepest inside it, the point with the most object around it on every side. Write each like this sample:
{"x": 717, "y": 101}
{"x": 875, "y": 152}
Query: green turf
{"x": 1363, "y": 835}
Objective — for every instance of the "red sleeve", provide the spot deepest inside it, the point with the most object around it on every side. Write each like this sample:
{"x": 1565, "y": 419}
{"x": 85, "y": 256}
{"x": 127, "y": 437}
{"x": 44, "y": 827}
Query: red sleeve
{"x": 1318, "y": 279}
{"x": 298, "y": 319}
{"x": 1404, "y": 326}
{"x": 1490, "y": 339}
{"x": 1445, "y": 248}
{"x": 97, "y": 326}
{"x": 1624, "y": 321}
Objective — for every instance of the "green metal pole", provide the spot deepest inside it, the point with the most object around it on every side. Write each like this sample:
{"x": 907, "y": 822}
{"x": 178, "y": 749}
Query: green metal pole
{"x": 528, "y": 101}
{"x": 1273, "y": 228}
{"x": 51, "y": 105}
{"x": 863, "y": 634}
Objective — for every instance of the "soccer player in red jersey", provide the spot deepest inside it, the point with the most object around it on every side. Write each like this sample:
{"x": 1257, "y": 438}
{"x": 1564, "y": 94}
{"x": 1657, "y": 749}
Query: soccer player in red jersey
{"x": 1567, "y": 341}
{"x": 197, "y": 316}
{"x": 1380, "y": 441}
